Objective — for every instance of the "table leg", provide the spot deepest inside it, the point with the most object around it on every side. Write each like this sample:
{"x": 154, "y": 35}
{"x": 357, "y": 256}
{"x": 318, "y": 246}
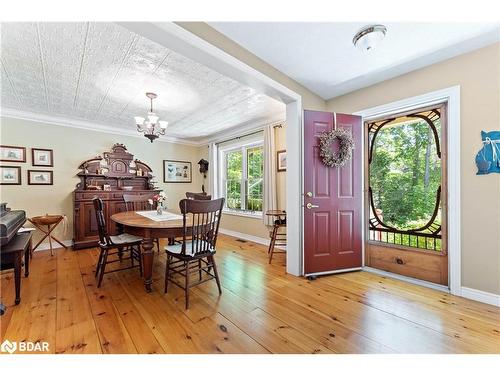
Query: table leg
{"x": 59, "y": 242}
{"x": 27, "y": 259}
{"x": 147, "y": 262}
{"x": 50, "y": 241}
{"x": 39, "y": 242}
{"x": 17, "y": 276}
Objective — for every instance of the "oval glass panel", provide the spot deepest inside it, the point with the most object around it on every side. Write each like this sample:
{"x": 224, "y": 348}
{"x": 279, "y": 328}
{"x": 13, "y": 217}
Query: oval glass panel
{"x": 405, "y": 173}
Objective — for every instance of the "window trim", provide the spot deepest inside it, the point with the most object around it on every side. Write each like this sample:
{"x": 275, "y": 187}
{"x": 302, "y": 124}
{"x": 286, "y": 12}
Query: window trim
{"x": 222, "y": 175}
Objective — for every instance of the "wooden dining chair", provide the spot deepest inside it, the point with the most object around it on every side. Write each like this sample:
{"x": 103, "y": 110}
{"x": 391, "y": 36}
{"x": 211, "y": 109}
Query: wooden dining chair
{"x": 198, "y": 196}
{"x": 122, "y": 242}
{"x": 195, "y": 254}
{"x": 278, "y": 236}
{"x": 139, "y": 202}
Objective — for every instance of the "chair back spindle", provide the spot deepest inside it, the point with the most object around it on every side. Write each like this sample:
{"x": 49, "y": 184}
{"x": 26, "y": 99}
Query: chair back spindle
{"x": 101, "y": 222}
{"x": 204, "y": 228}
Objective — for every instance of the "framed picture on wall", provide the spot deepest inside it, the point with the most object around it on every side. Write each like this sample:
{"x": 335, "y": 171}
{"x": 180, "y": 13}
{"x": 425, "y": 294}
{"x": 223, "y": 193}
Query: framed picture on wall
{"x": 10, "y": 175}
{"x": 281, "y": 160}
{"x": 36, "y": 177}
{"x": 42, "y": 157}
{"x": 13, "y": 153}
{"x": 176, "y": 171}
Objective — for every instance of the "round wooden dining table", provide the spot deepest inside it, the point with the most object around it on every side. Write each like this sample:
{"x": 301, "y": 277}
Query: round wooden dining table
{"x": 133, "y": 223}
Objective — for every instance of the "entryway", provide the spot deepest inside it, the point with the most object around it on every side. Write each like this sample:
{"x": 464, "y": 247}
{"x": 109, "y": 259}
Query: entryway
{"x": 432, "y": 259}
{"x": 405, "y": 201}
{"x": 447, "y": 100}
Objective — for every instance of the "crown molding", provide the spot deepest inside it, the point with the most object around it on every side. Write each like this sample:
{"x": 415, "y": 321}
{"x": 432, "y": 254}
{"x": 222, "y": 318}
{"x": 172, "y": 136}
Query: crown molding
{"x": 87, "y": 125}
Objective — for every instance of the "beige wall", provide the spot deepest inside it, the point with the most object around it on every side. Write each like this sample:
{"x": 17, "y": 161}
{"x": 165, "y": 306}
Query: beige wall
{"x": 478, "y": 74}
{"x": 72, "y": 146}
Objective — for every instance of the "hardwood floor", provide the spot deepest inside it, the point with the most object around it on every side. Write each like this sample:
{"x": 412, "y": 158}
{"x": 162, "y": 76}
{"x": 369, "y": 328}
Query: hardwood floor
{"x": 261, "y": 310}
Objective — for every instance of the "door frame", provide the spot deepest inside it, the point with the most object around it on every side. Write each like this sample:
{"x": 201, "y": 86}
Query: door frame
{"x": 451, "y": 95}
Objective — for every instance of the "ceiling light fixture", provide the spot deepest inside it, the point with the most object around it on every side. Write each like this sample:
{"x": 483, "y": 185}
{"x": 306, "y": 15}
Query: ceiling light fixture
{"x": 369, "y": 36}
{"x": 153, "y": 127}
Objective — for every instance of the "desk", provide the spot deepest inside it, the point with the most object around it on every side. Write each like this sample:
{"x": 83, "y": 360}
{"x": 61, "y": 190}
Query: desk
{"x": 134, "y": 223}
{"x": 12, "y": 257}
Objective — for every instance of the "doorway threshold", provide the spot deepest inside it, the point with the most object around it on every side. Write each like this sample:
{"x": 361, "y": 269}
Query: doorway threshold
{"x": 407, "y": 279}
{"x": 325, "y": 273}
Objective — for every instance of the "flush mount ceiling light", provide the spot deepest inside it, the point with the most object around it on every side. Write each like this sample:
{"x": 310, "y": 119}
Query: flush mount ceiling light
{"x": 152, "y": 127}
{"x": 369, "y": 36}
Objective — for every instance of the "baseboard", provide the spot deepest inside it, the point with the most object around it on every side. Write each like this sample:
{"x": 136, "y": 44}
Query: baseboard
{"x": 248, "y": 237}
{"x": 469, "y": 293}
{"x": 480, "y": 296}
{"x": 45, "y": 245}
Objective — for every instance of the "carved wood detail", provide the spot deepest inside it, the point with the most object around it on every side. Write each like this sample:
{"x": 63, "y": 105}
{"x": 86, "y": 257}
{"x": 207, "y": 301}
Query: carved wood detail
{"x": 124, "y": 175}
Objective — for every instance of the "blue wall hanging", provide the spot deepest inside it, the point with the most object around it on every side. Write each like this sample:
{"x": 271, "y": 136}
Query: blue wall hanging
{"x": 488, "y": 158}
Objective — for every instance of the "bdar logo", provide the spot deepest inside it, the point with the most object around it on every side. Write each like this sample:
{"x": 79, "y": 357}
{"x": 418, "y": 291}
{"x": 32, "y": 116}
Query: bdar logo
{"x": 8, "y": 346}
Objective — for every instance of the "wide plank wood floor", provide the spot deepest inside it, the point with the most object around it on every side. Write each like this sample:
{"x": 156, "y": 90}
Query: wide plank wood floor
{"x": 261, "y": 310}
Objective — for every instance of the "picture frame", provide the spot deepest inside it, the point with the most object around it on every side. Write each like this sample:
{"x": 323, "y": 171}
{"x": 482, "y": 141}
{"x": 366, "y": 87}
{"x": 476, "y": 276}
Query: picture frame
{"x": 40, "y": 177}
{"x": 176, "y": 171}
{"x": 281, "y": 160}
{"x": 10, "y": 175}
{"x": 42, "y": 157}
{"x": 14, "y": 154}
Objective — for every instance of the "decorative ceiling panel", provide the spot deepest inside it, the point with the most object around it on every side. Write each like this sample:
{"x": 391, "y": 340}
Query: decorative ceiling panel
{"x": 100, "y": 72}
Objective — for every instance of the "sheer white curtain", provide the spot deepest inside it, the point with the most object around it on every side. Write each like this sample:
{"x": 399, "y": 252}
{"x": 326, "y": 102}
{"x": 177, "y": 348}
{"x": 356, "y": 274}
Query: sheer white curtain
{"x": 270, "y": 190}
{"x": 212, "y": 170}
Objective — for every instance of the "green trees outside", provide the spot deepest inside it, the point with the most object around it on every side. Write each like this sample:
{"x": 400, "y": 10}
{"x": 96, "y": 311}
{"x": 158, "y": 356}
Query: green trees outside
{"x": 234, "y": 178}
{"x": 405, "y": 173}
{"x": 253, "y": 178}
{"x": 255, "y": 173}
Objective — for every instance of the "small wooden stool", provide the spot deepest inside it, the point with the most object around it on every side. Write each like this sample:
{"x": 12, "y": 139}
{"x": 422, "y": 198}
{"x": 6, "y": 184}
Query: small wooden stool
{"x": 51, "y": 221}
{"x": 277, "y": 238}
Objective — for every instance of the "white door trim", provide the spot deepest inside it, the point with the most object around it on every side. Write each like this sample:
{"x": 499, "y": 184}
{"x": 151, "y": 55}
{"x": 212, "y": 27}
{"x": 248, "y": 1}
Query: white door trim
{"x": 452, "y": 96}
{"x": 184, "y": 42}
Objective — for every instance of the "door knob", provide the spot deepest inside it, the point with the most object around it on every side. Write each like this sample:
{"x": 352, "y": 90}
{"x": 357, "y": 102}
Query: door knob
{"x": 310, "y": 205}
{"x": 309, "y": 194}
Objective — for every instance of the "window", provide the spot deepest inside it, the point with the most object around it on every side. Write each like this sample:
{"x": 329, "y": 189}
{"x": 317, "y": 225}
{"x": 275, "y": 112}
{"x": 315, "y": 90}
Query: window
{"x": 405, "y": 178}
{"x": 241, "y": 177}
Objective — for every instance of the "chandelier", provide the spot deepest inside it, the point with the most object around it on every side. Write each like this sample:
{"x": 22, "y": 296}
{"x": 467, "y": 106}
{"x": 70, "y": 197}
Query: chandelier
{"x": 152, "y": 127}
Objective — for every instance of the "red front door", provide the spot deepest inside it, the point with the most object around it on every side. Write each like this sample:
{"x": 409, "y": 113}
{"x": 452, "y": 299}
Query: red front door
{"x": 333, "y": 198}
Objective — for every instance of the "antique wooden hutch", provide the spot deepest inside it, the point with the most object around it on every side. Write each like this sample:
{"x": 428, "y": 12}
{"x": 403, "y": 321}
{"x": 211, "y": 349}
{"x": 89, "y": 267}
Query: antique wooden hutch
{"x": 109, "y": 178}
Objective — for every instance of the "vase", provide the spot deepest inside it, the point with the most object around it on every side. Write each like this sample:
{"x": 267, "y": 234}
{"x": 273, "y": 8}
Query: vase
{"x": 159, "y": 209}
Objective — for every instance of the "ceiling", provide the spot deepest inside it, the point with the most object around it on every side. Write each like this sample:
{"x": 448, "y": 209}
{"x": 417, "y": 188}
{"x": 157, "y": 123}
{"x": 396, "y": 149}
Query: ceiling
{"x": 322, "y": 58}
{"x": 98, "y": 73}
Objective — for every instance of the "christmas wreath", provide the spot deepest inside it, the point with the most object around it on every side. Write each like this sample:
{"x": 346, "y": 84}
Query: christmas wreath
{"x": 346, "y": 145}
